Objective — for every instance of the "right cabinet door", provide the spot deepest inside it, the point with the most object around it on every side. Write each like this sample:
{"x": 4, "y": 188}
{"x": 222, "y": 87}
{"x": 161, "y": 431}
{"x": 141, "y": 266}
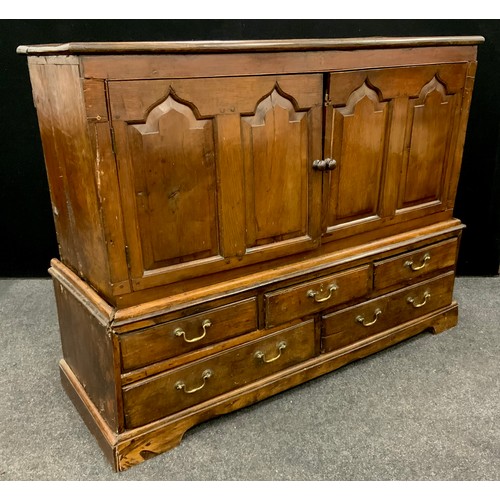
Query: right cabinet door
{"x": 393, "y": 134}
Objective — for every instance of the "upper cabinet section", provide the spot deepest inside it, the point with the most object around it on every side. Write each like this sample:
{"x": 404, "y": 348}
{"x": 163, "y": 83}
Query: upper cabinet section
{"x": 174, "y": 165}
{"x": 216, "y": 173}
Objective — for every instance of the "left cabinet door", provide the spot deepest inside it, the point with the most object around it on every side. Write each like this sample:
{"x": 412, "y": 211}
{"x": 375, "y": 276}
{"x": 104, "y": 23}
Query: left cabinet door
{"x": 216, "y": 173}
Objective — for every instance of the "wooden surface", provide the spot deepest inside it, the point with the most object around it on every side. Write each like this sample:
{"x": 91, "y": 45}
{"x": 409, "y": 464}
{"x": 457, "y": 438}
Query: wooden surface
{"x": 297, "y": 302}
{"x": 411, "y": 267}
{"x": 147, "y": 346}
{"x": 134, "y": 446}
{"x": 202, "y": 65}
{"x": 91, "y": 351}
{"x": 402, "y": 157}
{"x": 236, "y": 211}
{"x": 160, "y": 396}
{"x": 352, "y": 325}
{"x": 71, "y": 171}
{"x": 246, "y": 45}
{"x": 237, "y": 218}
{"x": 234, "y": 206}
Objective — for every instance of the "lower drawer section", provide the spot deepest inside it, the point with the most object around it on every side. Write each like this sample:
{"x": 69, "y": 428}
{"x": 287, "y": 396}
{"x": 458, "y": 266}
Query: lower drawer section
{"x": 175, "y": 390}
{"x": 369, "y": 318}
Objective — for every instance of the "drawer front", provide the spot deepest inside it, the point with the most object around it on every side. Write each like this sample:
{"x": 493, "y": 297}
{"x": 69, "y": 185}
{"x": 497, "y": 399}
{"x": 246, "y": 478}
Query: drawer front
{"x": 414, "y": 266}
{"x": 318, "y": 295}
{"x": 199, "y": 381}
{"x": 177, "y": 337}
{"x": 356, "y": 323}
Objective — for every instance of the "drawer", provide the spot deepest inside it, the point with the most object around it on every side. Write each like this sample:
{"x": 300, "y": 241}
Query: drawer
{"x": 199, "y": 381}
{"x": 414, "y": 266}
{"x": 356, "y": 323}
{"x": 167, "y": 340}
{"x": 317, "y": 295}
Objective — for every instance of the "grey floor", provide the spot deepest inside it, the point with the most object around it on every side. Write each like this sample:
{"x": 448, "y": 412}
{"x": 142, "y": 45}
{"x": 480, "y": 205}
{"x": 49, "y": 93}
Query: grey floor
{"x": 427, "y": 409}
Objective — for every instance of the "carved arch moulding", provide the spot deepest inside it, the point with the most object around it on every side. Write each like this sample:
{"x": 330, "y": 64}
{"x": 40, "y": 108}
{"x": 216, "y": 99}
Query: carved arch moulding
{"x": 275, "y": 98}
{"x": 170, "y": 103}
{"x": 365, "y": 91}
{"x": 434, "y": 85}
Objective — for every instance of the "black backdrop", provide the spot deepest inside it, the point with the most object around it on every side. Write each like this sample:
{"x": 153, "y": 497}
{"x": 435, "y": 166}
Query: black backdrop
{"x": 27, "y": 236}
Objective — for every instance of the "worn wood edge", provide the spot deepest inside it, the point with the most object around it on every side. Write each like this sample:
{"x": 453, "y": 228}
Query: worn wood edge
{"x": 148, "y": 441}
{"x": 460, "y": 141}
{"x": 63, "y": 59}
{"x": 83, "y": 292}
{"x": 282, "y": 273}
{"x": 105, "y": 437}
{"x": 246, "y": 45}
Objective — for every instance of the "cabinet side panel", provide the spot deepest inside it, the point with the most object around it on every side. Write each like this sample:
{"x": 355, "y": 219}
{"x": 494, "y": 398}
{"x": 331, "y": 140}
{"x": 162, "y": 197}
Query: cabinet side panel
{"x": 87, "y": 344}
{"x": 70, "y": 165}
{"x": 459, "y": 147}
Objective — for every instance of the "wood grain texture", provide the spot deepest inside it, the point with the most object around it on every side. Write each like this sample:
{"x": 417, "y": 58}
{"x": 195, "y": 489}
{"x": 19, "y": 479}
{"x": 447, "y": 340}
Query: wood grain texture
{"x": 135, "y": 446}
{"x": 349, "y": 326}
{"x": 174, "y": 170}
{"x": 88, "y": 349}
{"x": 414, "y": 266}
{"x": 397, "y": 82}
{"x": 105, "y": 437}
{"x": 298, "y": 301}
{"x": 245, "y": 45}
{"x": 197, "y": 65}
{"x": 429, "y": 136}
{"x": 108, "y": 192}
{"x": 358, "y": 137}
{"x": 278, "y": 276}
{"x": 87, "y": 296}
{"x": 216, "y": 192}
{"x": 70, "y": 164}
{"x": 162, "y": 395}
{"x": 132, "y": 100}
{"x": 388, "y": 138}
{"x": 94, "y": 92}
{"x": 454, "y": 175}
{"x": 231, "y": 186}
{"x": 282, "y": 191}
{"x": 170, "y": 363}
{"x": 148, "y": 346}
{"x": 213, "y": 252}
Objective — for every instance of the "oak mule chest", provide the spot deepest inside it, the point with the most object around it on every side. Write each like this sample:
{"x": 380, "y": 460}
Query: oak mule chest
{"x": 235, "y": 218}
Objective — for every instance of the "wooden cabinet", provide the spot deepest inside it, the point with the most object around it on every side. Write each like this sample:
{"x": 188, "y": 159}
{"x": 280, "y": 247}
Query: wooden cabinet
{"x": 236, "y": 218}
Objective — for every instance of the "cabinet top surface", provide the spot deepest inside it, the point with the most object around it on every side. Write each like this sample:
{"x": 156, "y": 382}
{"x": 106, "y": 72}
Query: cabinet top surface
{"x": 218, "y": 46}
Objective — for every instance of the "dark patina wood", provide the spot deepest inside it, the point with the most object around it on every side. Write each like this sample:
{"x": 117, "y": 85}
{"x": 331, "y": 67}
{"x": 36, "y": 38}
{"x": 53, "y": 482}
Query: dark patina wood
{"x": 236, "y": 218}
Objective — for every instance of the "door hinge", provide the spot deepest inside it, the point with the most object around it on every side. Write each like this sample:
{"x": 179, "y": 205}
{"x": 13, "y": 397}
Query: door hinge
{"x": 113, "y": 140}
{"x": 327, "y": 101}
{"x": 127, "y": 256}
